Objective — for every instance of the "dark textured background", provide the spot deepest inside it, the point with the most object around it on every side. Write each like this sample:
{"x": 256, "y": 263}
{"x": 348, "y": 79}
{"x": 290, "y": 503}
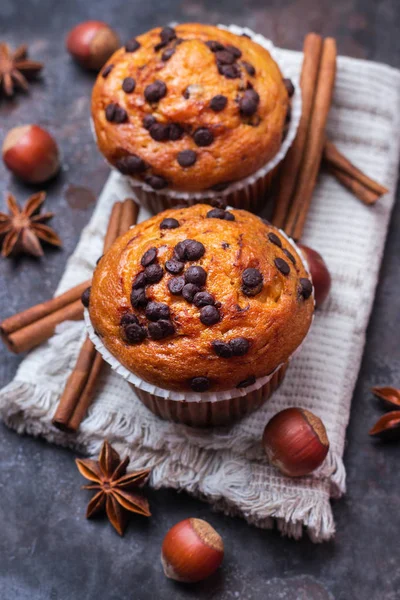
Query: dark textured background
{"x": 47, "y": 548}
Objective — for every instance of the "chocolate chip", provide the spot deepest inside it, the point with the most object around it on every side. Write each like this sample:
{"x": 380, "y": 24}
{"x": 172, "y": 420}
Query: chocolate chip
{"x": 128, "y": 85}
{"x": 186, "y": 93}
{"x": 209, "y": 315}
{"x": 246, "y": 382}
{"x": 132, "y": 45}
{"x": 138, "y": 298}
{"x": 239, "y": 346}
{"x": 154, "y": 273}
{"x": 180, "y": 250}
{"x": 85, "y": 298}
{"x": 129, "y": 165}
{"x": 218, "y": 103}
{"x": 134, "y": 333}
{"x": 219, "y": 203}
{"x": 288, "y": 114}
{"x": 189, "y": 291}
{"x": 220, "y": 213}
{"x": 249, "y": 102}
{"x": 189, "y": 250}
{"x": 196, "y": 275}
{"x": 249, "y": 68}
{"x": 251, "y": 278}
{"x": 175, "y": 285}
{"x": 275, "y": 240}
{"x": 229, "y": 71}
{"x": 290, "y": 256}
{"x": 166, "y": 55}
{"x": 289, "y": 86}
{"x": 175, "y": 132}
{"x": 203, "y": 299}
{"x": 194, "y": 250}
{"x": 161, "y": 329}
{"x": 214, "y": 46}
{"x": 105, "y": 73}
{"x": 155, "y": 91}
{"x": 139, "y": 281}
{"x": 159, "y": 132}
{"x": 169, "y": 223}
{"x": 167, "y": 34}
{"x": 148, "y": 257}
{"x": 225, "y": 245}
{"x": 186, "y": 158}
{"x": 157, "y": 310}
{"x": 156, "y": 182}
{"x": 148, "y": 121}
{"x": 282, "y": 266}
{"x": 128, "y": 319}
{"x": 110, "y": 112}
{"x": 174, "y": 266}
{"x": 306, "y": 288}
{"x": 203, "y": 136}
{"x": 222, "y": 349}
{"x": 224, "y": 58}
{"x": 120, "y": 115}
{"x": 233, "y": 50}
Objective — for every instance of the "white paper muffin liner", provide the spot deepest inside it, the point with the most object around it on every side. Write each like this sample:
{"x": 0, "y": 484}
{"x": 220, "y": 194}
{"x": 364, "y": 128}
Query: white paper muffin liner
{"x": 141, "y": 384}
{"x": 157, "y": 200}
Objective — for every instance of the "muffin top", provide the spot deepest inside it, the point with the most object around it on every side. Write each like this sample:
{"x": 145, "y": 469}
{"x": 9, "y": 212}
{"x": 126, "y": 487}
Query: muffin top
{"x": 190, "y": 108}
{"x": 201, "y": 299}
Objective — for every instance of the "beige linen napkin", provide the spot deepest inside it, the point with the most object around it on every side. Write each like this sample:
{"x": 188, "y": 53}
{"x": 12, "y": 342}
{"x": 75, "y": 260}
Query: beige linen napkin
{"x": 227, "y": 466}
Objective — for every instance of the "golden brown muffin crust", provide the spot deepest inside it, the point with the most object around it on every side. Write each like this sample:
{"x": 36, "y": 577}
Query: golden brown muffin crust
{"x": 272, "y": 320}
{"x": 193, "y": 75}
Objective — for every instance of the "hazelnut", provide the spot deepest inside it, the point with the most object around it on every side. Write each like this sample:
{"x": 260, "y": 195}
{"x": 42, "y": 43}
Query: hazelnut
{"x": 191, "y": 551}
{"x": 31, "y": 153}
{"x": 295, "y": 441}
{"x": 320, "y": 275}
{"x": 92, "y": 43}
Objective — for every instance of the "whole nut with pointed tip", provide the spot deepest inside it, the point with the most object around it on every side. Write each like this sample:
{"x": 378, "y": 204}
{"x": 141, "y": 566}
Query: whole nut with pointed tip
{"x": 295, "y": 441}
{"x": 192, "y": 550}
{"x": 31, "y": 153}
{"x": 92, "y": 43}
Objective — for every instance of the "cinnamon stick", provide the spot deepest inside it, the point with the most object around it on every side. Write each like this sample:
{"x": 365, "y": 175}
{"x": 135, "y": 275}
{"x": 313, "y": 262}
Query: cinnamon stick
{"x": 334, "y": 158}
{"x": 291, "y": 165}
{"x": 129, "y": 215}
{"x": 365, "y": 194}
{"x": 34, "y": 313}
{"x": 315, "y": 141}
{"x": 75, "y": 385}
{"x": 76, "y": 400}
{"x": 86, "y": 397}
{"x": 113, "y": 226}
{"x": 39, "y": 331}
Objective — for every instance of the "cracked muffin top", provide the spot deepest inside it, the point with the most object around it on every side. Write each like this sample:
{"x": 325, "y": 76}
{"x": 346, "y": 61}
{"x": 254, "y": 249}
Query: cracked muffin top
{"x": 201, "y": 299}
{"x": 190, "y": 108}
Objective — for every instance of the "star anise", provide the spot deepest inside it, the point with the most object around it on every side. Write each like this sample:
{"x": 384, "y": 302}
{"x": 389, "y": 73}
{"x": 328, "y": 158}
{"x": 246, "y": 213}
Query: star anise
{"x": 16, "y": 68}
{"x": 388, "y": 426}
{"x": 23, "y": 228}
{"x": 115, "y": 488}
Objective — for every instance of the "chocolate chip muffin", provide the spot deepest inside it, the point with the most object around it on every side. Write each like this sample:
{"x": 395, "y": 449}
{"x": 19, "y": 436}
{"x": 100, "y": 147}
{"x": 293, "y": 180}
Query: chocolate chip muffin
{"x": 190, "y": 109}
{"x": 201, "y": 300}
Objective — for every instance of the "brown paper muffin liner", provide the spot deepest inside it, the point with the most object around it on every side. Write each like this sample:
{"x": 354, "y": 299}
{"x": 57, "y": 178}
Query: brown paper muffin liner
{"x": 211, "y": 414}
{"x": 253, "y": 197}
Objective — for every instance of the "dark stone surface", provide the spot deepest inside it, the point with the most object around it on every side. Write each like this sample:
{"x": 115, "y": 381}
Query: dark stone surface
{"x": 47, "y": 548}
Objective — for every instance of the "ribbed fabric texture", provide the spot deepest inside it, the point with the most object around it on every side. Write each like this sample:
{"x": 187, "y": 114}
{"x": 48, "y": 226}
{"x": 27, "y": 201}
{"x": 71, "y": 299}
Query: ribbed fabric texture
{"x": 227, "y": 466}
